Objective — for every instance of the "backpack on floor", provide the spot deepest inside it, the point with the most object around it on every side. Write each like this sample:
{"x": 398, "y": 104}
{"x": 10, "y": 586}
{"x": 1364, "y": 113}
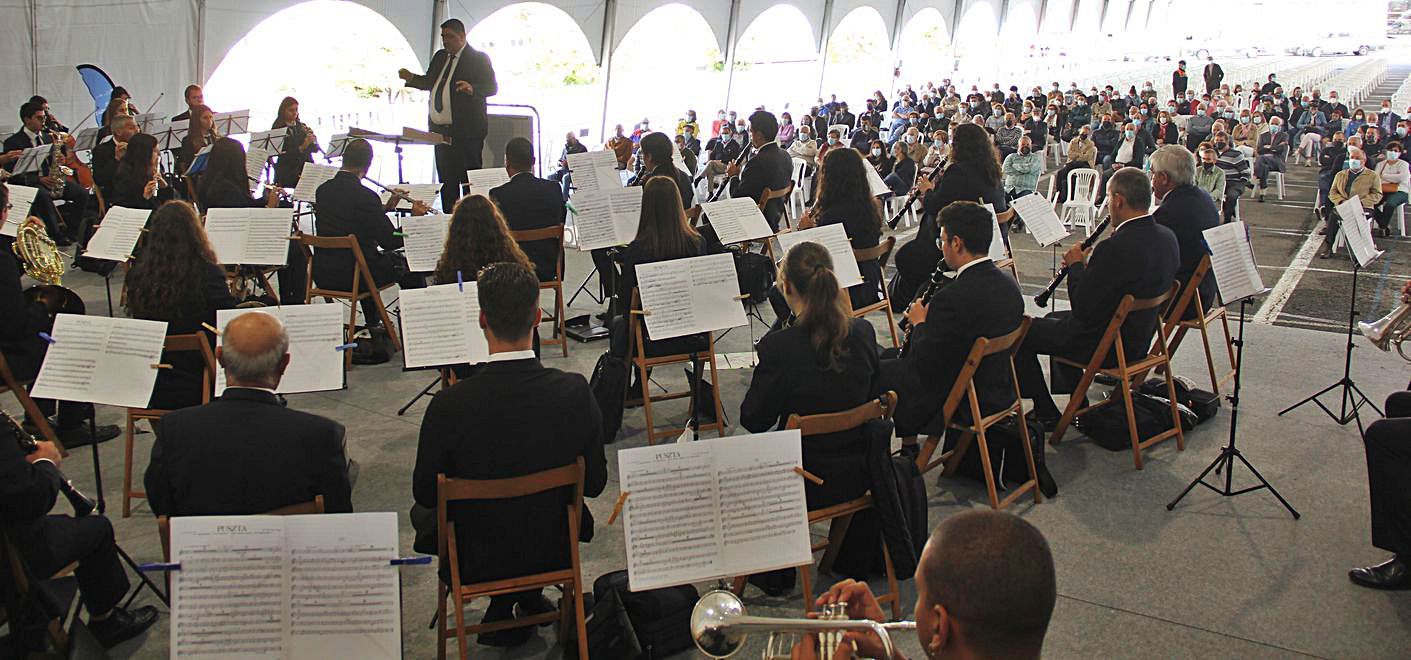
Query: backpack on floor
{"x": 1204, "y": 404}
{"x": 1107, "y": 426}
{"x": 661, "y": 618}
{"x": 609, "y": 386}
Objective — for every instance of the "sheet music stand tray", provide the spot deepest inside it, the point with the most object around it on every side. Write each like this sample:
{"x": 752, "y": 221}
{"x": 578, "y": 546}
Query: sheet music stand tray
{"x": 232, "y": 123}
{"x": 265, "y": 139}
{"x": 408, "y": 136}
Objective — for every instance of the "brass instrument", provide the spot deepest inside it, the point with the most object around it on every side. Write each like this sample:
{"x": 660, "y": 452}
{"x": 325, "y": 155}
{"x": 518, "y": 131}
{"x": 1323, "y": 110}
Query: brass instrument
{"x": 38, "y": 254}
{"x": 57, "y": 170}
{"x": 1390, "y": 330}
{"x": 719, "y": 626}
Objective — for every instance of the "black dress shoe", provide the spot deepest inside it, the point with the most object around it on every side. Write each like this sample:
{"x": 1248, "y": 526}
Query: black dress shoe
{"x": 1049, "y": 422}
{"x": 1392, "y": 574}
{"x": 79, "y": 436}
{"x": 532, "y": 606}
{"x": 503, "y": 638}
{"x": 123, "y": 625}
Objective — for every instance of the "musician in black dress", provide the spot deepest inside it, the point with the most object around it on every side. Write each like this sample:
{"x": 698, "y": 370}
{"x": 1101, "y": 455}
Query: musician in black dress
{"x": 136, "y": 182}
{"x": 844, "y": 198}
{"x": 226, "y": 185}
{"x": 300, "y": 144}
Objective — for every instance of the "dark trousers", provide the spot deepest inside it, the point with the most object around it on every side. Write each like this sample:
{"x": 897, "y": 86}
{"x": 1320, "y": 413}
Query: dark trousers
{"x": 452, "y": 161}
{"x": 915, "y": 407}
{"x": 1050, "y": 335}
{"x": 391, "y": 267}
{"x": 1388, "y": 443}
{"x": 1063, "y": 177}
{"x": 294, "y": 278}
{"x": 1387, "y": 207}
{"x": 61, "y": 540}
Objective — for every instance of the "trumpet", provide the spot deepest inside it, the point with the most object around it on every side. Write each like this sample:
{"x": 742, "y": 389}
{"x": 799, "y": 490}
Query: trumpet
{"x": 719, "y": 627}
{"x": 1391, "y": 329}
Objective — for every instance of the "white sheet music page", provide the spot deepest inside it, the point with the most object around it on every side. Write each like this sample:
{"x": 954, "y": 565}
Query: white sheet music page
{"x": 482, "y": 181}
{"x": 997, "y": 250}
{"x": 764, "y": 518}
{"x": 875, "y": 184}
{"x": 315, "y": 333}
{"x": 1232, "y": 262}
{"x": 594, "y": 170}
{"x": 736, "y": 220}
{"x": 252, "y": 236}
{"x": 687, "y": 296}
{"x": 441, "y": 326}
{"x": 344, "y": 591}
{"x": 423, "y": 240}
{"x": 117, "y": 234}
{"x": 1043, "y": 224}
{"x": 314, "y": 176}
{"x": 231, "y": 597}
{"x": 1357, "y": 232}
{"x": 100, "y": 359}
{"x": 833, "y": 237}
{"x": 607, "y": 218}
{"x": 255, "y": 160}
{"x": 21, "y": 198}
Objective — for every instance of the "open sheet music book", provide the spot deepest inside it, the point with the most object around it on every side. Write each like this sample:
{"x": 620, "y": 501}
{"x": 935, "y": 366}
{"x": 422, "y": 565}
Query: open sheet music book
{"x": 736, "y": 220}
{"x": 1357, "y": 232}
{"x": 1043, "y": 224}
{"x": 1232, "y": 262}
{"x": 482, "y": 181}
{"x": 296, "y": 587}
{"x": 594, "y": 170}
{"x": 712, "y": 508}
{"x": 314, "y": 176}
{"x": 315, "y": 333}
{"x": 607, "y": 218}
{"x": 21, "y": 198}
{"x": 250, "y": 236}
{"x": 441, "y": 326}
{"x": 117, "y": 234}
{"x": 686, "y": 296}
{"x": 833, "y": 237}
{"x": 423, "y": 240}
{"x": 100, "y": 359}
{"x": 875, "y": 184}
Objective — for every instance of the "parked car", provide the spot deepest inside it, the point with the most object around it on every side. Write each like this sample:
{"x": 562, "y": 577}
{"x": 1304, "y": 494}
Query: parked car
{"x": 1340, "y": 43}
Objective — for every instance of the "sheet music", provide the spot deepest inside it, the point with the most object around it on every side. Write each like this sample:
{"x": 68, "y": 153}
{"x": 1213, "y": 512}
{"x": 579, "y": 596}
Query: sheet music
{"x": 101, "y": 359}
{"x": 997, "y": 247}
{"x": 170, "y": 134}
{"x": 686, "y": 296}
{"x": 117, "y": 234}
{"x": 250, "y": 236}
{"x": 314, "y": 176}
{"x": 231, "y": 597}
{"x": 875, "y": 185}
{"x": 426, "y": 193}
{"x": 1232, "y": 261}
{"x": 484, "y": 180}
{"x": 736, "y": 220}
{"x": 835, "y": 239}
{"x": 607, "y": 218}
{"x": 21, "y": 198}
{"x": 32, "y": 160}
{"x": 336, "y": 146}
{"x": 441, "y": 326}
{"x": 344, "y": 593}
{"x": 1043, "y": 224}
{"x": 255, "y": 160}
{"x": 86, "y": 139}
{"x": 728, "y": 506}
{"x": 1357, "y": 232}
{"x": 594, "y": 171}
{"x": 315, "y": 333}
{"x": 423, "y": 240}
{"x": 145, "y": 121}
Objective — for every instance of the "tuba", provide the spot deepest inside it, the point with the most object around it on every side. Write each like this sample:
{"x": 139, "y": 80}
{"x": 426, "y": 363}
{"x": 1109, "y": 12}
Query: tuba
{"x": 720, "y": 626}
{"x": 1390, "y": 329}
{"x": 38, "y": 254}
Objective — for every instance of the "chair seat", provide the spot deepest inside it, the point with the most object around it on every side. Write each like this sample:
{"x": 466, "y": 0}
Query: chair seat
{"x": 840, "y": 509}
{"x": 1213, "y": 315}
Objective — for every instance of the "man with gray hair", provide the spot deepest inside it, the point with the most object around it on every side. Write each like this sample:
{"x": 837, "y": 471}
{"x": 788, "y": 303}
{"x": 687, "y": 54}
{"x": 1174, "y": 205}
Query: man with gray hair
{"x": 1187, "y": 211}
{"x": 244, "y": 452}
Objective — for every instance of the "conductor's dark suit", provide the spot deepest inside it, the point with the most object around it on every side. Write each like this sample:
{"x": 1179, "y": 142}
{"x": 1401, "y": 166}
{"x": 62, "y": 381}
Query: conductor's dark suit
{"x": 244, "y": 454}
{"x": 529, "y": 202}
{"x": 770, "y": 168}
{"x": 1187, "y": 211}
{"x": 469, "y": 124}
{"x": 982, "y": 301}
{"x": 553, "y": 420}
{"x": 1388, "y": 443}
{"x": 343, "y": 206}
{"x": 1141, "y": 258}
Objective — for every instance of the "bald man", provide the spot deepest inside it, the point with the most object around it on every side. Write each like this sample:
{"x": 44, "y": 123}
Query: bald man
{"x": 244, "y": 452}
{"x": 985, "y": 588}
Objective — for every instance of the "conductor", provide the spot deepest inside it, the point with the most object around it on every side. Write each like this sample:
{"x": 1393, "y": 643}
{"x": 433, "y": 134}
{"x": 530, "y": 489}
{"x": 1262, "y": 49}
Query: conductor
{"x": 460, "y": 78}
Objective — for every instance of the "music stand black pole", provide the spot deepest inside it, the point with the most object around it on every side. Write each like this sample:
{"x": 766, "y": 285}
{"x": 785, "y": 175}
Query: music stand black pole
{"x": 1351, "y": 394}
{"x": 1226, "y": 460}
{"x": 103, "y": 508}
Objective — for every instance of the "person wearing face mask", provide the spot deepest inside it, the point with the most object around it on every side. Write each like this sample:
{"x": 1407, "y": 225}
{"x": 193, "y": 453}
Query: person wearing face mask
{"x": 1105, "y": 138}
{"x": 1387, "y": 120}
{"x": 786, "y": 130}
{"x": 1330, "y": 162}
{"x": 1213, "y": 74}
{"x": 1334, "y": 104}
{"x": 995, "y": 120}
{"x": 841, "y": 115}
{"x": 1082, "y": 153}
{"x": 1080, "y": 115}
{"x": 722, "y": 151}
{"x": 1357, "y": 180}
{"x": 1022, "y": 169}
{"x": 688, "y": 122}
{"x": 1131, "y": 151}
{"x": 1102, "y": 107}
{"x": 1187, "y": 211}
{"x": 833, "y": 141}
{"x": 1403, "y": 137}
{"x": 1209, "y": 177}
{"x": 1310, "y": 129}
{"x": 1373, "y": 144}
{"x": 1180, "y": 79}
{"x": 1198, "y": 129}
{"x": 1036, "y": 130}
{"x": 1396, "y": 180}
{"x": 936, "y": 154}
{"x": 1236, "y": 168}
{"x": 805, "y": 148}
{"x": 1272, "y": 150}
{"x": 716, "y": 124}
{"x": 914, "y": 144}
{"x": 1359, "y": 119}
{"x": 1007, "y": 137}
{"x": 1166, "y": 131}
{"x": 689, "y": 141}
{"x": 861, "y": 139}
{"x": 879, "y": 157}
{"x": 902, "y": 174}
{"x": 1246, "y": 134}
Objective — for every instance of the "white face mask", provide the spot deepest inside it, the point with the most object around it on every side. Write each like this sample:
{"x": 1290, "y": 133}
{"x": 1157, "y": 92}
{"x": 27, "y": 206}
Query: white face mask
{"x": 910, "y": 139}
{"x": 876, "y": 153}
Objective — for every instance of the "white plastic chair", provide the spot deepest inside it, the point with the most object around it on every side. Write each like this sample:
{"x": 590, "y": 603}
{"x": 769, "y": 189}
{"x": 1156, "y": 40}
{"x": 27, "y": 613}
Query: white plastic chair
{"x": 1277, "y": 179}
{"x": 842, "y": 129}
{"x": 1055, "y": 148}
{"x": 1081, "y": 207}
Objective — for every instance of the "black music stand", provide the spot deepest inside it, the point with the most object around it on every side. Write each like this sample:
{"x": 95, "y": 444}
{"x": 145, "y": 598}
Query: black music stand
{"x": 1228, "y": 454}
{"x": 143, "y": 580}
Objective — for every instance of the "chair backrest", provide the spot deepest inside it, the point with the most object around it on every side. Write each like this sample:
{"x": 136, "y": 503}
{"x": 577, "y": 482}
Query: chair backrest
{"x": 983, "y": 348}
{"x": 1113, "y": 334}
{"x": 544, "y": 234}
{"x": 1082, "y": 184}
{"x": 196, "y": 342}
{"x": 846, "y": 420}
{"x": 770, "y": 193}
{"x": 314, "y": 506}
{"x": 1189, "y": 296}
{"x": 842, "y": 129}
{"x": 309, "y": 243}
{"x": 450, "y": 490}
{"x": 879, "y": 253}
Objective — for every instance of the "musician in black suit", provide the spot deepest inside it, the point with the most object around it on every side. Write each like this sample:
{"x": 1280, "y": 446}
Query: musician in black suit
{"x": 1187, "y": 211}
{"x": 529, "y": 202}
{"x": 343, "y": 206}
{"x": 244, "y": 453}
{"x": 1140, "y": 258}
{"x": 981, "y": 301}
{"x": 458, "y": 92}
{"x": 35, "y": 133}
{"x": 512, "y": 417}
{"x": 106, "y": 156}
{"x": 769, "y": 168}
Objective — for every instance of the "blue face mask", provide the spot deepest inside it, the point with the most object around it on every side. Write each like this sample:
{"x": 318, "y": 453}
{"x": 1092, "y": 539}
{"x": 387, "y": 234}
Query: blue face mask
{"x": 1354, "y": 164}
{"x": 1401, "y": 131}
{"x": 832, "y": 142}
{"x": 1244, "y": 120}
{"x": 1129, "y": 134}
{"x": 1142, "y": 110}
{"x": 1273, "y": 128}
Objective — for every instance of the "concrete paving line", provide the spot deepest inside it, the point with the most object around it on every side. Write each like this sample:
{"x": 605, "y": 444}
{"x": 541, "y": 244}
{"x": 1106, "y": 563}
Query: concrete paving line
{"x": 1173, "y": 622}
{"x": 1284, "y": 288}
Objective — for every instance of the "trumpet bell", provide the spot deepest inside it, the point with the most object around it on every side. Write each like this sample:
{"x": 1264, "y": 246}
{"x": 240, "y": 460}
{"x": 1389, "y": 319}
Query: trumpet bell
{"x": 708, "y": 624}
{"x": 1388, "y": 330}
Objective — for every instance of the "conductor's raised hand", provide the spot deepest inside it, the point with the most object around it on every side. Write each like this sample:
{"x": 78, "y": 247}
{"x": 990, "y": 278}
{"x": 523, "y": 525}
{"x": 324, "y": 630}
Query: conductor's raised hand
{"x": 404, "y": 74}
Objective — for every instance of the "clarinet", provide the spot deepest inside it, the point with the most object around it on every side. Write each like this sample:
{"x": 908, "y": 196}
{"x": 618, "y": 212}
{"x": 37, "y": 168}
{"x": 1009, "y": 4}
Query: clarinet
{"x": 938, "y": 280}
{"x": 1042, "y": 299}
{"x": 741, "y": 160}
{"x": 81, "y": 504}
{"x": 911, "y": 197}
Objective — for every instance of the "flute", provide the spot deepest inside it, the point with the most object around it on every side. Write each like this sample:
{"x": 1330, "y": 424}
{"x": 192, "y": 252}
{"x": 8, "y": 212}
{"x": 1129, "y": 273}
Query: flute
{"x": 1042, "y": 299}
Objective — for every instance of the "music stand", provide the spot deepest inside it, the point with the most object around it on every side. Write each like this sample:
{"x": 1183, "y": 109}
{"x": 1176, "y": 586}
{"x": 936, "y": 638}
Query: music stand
{"x": 102, "y": 503}
{"x": 336, "y": 147}
{"x": 232, "y": 123}
{"x": 408, "y": 136}
{"x": 171, "y": 135}
{"x": 265, "y": 139}
{"x": 86, "y": 140}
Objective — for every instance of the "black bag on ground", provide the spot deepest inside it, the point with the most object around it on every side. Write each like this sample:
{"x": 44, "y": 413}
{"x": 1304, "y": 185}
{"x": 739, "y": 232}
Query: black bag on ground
{"x": 661, "y": 618}
{"x": 1006, "y": 459}
{"x": 755, "y": 273}
{"x": 911, "y": 497}
{"x": 609, "y": 386}
{"x": 1107, "y": 426}
{"x": 610, "y": 633}
{"x": 1204, "y": 404}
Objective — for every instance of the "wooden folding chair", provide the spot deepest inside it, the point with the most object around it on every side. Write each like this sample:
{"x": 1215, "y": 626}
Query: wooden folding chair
{"x": 313, "y": 506}
{"x": 1202, "y": 321}
{"x": 636, "y": 325}
{"x": 880, "y": 254}
{"x": 1125, "y": 373}
{"x": 192, "y": 343}
{"x": 839, "y": 516}
{"x": 570, "y": 579}
{"x": 770, "y": 194}
{"x": 363, "y": 284}
{"x": 964, "y": 388}
{"x": 8, "y": 382}
{"x": 557, "y": 318}
{"x": 1005, "y": 217}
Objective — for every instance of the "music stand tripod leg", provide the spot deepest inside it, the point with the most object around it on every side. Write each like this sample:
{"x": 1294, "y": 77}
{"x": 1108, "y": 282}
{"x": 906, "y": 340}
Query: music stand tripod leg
{"x": 1352, "y": 396}
{"x": 102, "y": 507}
{"x": 424, "y": 391}
{"x": 583, "y": 288}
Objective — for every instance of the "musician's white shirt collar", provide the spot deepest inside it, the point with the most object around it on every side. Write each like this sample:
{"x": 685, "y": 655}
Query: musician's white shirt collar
{"x": 511, "y": 355}
{"x": 962, "y": 269}
{"x": 33, "y": 137}
{"x": 1130, "y": 221}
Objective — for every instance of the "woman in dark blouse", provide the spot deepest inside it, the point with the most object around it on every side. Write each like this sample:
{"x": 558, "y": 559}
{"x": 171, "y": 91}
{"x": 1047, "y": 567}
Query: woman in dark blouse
{"x": 663, "y": 233}
{"x": 844, "y": 198}
{"x": 225, "y": 184}
{"x": 136, "y": 184}
{"x": 299, "y": 146}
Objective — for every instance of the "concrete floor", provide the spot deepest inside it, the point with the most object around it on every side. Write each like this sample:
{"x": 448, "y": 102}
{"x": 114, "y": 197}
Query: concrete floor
{"x": 1216, "y": 577}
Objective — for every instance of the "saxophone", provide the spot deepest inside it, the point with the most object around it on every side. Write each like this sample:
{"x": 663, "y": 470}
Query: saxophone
{"x": 57, "y": 170}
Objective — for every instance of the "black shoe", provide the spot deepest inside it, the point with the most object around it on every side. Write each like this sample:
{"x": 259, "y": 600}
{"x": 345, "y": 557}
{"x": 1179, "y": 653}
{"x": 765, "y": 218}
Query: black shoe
{"x": 1392, "y": 574}
{"x": 603, "y": 315}
{"x": 910, "y": 451}
{"x": 1106, "y": 380}
{"x": 1049, "y": 422}
{"x": 79, "y": 436}
{"x": 532, "y": 606}
{"x": 1047, "y": 486}
{"x": 122, "y": 625}
{"x": 503, "y": 638}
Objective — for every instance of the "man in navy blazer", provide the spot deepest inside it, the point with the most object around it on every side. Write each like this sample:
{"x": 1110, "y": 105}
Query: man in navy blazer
{"x": 1187, "y": 211}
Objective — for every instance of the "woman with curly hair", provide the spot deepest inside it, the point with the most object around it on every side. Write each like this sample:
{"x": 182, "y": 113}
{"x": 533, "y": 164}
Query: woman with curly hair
{"x": 477, "y": 237}
{"x": 178, "y": 280}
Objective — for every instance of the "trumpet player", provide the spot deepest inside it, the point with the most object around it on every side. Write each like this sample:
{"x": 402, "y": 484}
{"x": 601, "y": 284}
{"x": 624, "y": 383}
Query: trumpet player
{"x": 985, "y": 588}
